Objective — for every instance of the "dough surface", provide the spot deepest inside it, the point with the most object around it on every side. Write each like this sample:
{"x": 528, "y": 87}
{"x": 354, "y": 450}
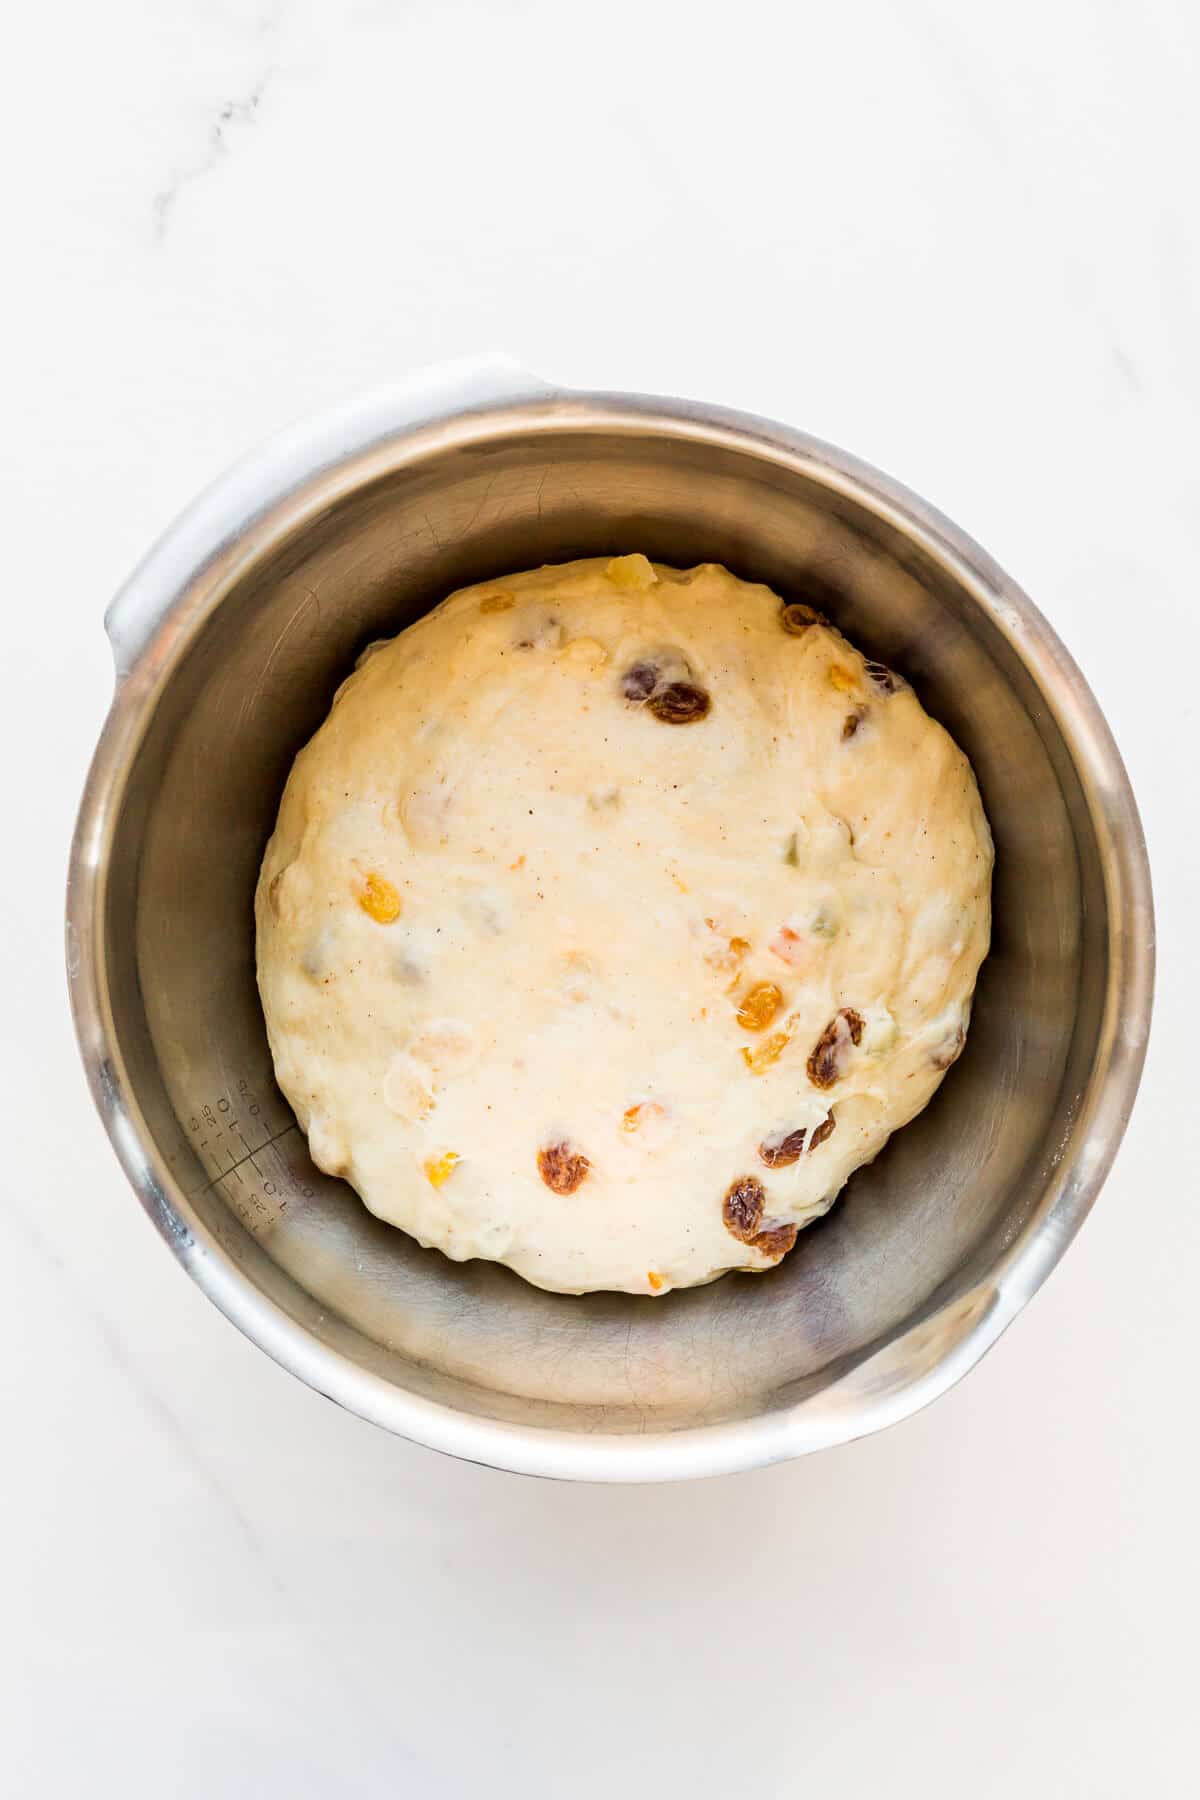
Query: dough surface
{"x": 614, "y": 916}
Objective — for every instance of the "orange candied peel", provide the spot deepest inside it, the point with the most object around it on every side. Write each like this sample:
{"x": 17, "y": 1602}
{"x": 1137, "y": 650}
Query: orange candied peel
{"x": 758, "y": 1006}
{"x": 439, "y": 1169}
{"x": 760, "y": 1058}
{"x": 634, "y": 1117}
{"x": 379, "y": 899}
{"x": 789, "y": 947}
{"x": 655, "y": 1280}
{"x": 726, "y": 959}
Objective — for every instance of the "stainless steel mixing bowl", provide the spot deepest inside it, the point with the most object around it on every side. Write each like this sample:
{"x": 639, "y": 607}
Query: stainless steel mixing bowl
{"x": 230, "y": 640}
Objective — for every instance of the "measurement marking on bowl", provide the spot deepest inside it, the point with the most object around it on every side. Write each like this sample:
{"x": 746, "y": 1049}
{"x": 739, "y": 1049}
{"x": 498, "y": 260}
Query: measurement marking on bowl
{"x": 227, "y": 1156}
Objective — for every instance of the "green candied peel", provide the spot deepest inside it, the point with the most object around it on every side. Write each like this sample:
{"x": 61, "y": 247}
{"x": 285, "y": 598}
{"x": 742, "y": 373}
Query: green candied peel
{"x": 825, "y": 923}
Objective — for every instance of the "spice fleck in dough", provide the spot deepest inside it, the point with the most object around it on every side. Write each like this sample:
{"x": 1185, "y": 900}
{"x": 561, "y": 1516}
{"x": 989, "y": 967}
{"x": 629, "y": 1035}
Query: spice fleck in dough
{"x": 584, "y": 904}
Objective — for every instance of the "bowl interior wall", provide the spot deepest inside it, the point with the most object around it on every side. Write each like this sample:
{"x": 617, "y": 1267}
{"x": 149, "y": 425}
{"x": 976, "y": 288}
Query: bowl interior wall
{"x": 200, "y": 803}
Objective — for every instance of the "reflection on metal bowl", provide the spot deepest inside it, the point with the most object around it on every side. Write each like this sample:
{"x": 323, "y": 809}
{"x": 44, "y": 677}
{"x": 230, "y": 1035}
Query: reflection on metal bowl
{"x": 230, "y": 641}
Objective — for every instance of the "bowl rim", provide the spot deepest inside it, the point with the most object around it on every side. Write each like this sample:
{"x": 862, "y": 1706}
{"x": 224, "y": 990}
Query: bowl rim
{"x": 167, "y": 601}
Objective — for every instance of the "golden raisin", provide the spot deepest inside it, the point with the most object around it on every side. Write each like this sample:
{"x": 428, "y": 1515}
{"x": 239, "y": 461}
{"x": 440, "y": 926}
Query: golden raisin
{"x": 776, "y": 1242}
{"x": 561, "y": 1168}
{"x": 766, "y": 1053}
{"x": 758, "y": 1006}
{"x": 742, "y": 1210}
{"x": 842, "y": 678}
{"x": 822, "y": 1131}
{"x": 742, "y": 1207}
{"x": 439, "y": 1169}
{"x": 797, "y": 618}
{"x": 379, "y": 899}
{"x": 825, "y": 1063}
{"x": 787, "y": 1151}
{"x": 496, "y": 603}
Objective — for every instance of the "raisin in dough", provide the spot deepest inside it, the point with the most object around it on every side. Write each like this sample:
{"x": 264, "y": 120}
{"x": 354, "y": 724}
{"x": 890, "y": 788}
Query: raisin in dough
{"x": 614, "y": 916}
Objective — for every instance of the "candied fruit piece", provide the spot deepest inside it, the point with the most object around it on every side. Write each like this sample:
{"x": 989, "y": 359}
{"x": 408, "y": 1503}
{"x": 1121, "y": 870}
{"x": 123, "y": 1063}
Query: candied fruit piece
{"x": 679, "y": 703}
{"x": 758, "y": 1006}
{"x": 561, "y": 1168}
{"x": 726, "y": 959}
{"x": 784, "y": 1151}
{"x": 634, "y": 571}
{"x": 379, "y": 899}
{"x": 763, "y": 1055}
{"x": 446, "y": 1045}
{"x": 407, "y": 1089}
{"x": 842, "y": 678}
{"x": 655, "y": 1281}
{"x": 585, "y": 656}
{"x": 496, "y": 603}
{"x": 439, "y": 1169}
{"x": 644, "y": 1113}
{"x": 797, "y": 618}
{"x": 825, "y": 923}
{"x": 826, "y": 1063}
{"x": 852, "y": 721}
{"x": 790, "y": 947}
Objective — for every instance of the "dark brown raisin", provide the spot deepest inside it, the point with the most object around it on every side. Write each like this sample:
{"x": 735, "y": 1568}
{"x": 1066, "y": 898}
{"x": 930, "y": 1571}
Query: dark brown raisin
{"x": 639, "y": 681}
{"x": 776, "y": 1242}
{"x": 797, "y": 618}
{"x": 852, "y": 721}
{"x": 561, "y": 1168}
{"x": 884, "y": 678}
{"x": 742, "y": 1209}
{"x": 950, "y": 1051}
{"x": 828, "y": 1053}
{"x": 679, "y": 703}
{"x": 824, "y": 1130}
{"x": 789, "y": 1150}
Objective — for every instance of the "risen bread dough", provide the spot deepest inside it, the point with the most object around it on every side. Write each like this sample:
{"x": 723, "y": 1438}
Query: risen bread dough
{"x": 614, "y": 916}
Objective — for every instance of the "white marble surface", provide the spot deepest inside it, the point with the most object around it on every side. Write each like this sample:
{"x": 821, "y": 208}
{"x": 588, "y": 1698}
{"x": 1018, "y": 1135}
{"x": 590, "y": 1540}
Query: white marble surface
{"x": 961, "y": 240}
